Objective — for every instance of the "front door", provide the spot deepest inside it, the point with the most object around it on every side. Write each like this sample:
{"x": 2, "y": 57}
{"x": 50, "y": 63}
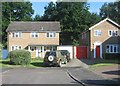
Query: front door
{"x": 38, "y": 51}
{"x": 97, "y": 51}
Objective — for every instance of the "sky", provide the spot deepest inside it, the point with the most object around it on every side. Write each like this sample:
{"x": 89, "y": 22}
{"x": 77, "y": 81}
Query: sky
{"x": 38, "y": 6}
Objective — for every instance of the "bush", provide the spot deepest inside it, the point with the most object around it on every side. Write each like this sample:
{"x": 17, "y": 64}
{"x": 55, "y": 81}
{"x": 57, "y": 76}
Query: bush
{"x": 20, "y": 57}
{"x": 112, "y": 56}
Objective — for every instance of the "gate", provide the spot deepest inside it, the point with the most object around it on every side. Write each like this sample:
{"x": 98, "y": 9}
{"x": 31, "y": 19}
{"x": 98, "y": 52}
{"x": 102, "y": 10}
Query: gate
{"x": 81, "y": 52}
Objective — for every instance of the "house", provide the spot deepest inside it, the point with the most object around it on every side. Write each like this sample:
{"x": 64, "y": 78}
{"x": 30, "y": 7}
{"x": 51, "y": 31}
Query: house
{"x": 37, "y": 37}
{"x": 102, "y": 38}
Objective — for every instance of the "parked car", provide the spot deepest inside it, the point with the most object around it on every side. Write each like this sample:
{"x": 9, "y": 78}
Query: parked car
{"x": 54, "y": 58}
{"x": 66, "y": 53}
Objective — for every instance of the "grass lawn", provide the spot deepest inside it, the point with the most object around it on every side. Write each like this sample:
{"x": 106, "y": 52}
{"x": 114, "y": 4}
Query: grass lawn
{"x": 100, "y": 63}
{"x": 35, "y": 63}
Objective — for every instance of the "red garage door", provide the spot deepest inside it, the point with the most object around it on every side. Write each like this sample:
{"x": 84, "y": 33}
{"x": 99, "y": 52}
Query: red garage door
{"x": 81, "y": 52}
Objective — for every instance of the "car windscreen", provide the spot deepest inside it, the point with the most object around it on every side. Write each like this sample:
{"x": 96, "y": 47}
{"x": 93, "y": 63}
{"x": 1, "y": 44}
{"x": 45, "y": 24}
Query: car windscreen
{"x": 64, "y": 52}
{"x": 50, "y": 53}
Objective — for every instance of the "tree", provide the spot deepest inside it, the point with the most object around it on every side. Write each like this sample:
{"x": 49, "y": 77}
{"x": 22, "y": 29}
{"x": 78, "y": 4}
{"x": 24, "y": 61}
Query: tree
{"x": 37, "y": 18}
{"x": 74, "y": 18}
{"x": 50, "y": 12}
{"x": 14, "y": 11}
{"x": 111, "y": 10}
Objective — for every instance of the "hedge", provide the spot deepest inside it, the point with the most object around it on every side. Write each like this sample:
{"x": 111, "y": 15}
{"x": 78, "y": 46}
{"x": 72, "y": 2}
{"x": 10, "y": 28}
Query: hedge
{"x": 20, "y": 57}
{"x": 112, "y": 56}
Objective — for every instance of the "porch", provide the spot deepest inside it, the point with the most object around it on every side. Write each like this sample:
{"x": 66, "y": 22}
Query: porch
{"x": 38, "y": 51}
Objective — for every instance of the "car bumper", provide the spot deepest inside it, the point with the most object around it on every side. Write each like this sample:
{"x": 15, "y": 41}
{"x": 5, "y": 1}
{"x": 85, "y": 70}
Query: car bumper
{"x": 50, "y": 63}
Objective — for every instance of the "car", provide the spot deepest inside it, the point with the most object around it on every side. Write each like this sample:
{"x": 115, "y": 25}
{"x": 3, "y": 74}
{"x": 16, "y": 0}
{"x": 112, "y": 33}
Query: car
{"x": 54, "y": 58}
{"x": 66, "y": 53}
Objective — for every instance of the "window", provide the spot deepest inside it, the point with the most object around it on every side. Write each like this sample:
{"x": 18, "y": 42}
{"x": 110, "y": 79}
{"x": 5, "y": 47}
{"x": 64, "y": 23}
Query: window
{"x": 112, "y": 33}
{"x": 34, "y": 34}
{"x": 51, "y": 34}
{"x": 32, "y": 48}
{"x": 112, "y": 48}
{"x": 17, "y": 34}
{"x": 16, "y": 47}
{"x": 97, "y": 32}
{"x": 83, "y": 35}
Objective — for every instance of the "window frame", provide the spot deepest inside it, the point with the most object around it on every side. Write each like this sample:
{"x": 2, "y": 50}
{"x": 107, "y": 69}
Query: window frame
{"x": 98, "y": 31}
{"x": 16, "y": 47}
{"x": 34, "y": 34}
{"x": 51, "y": 34}
{"x": 16, "y": 34}
{"x": 112, "y": 48}
{"x": 112, "y": 33}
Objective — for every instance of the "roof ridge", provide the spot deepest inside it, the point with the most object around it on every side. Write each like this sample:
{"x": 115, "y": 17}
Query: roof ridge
{"x": 35, "y": 21}
{"x": 103, "y": 21}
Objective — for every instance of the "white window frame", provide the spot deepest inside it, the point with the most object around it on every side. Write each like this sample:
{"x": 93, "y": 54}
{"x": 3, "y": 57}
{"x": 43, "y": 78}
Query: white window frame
{"x": 97, "y": 34}
{"x": 33, "y": 34}
{"x": 51, "y": 34}
{"x": 16, "y": 47}
{"x": 82, "y": 36}
{"x": 112, "y": 32}
{"x": 16, "y": 34}
{"x": 113, "y": 47}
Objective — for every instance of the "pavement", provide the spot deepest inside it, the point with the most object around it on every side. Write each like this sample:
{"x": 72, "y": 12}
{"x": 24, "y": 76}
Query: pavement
{"x": 106, "y": 75}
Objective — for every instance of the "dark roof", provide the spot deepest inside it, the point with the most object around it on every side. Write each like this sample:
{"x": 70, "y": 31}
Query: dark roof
{"x": 34, "y": 26}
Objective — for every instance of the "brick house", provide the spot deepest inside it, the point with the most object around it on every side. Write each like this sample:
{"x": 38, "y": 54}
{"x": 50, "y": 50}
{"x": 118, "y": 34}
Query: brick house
{"x": 37, "y": 37}
{"x": 102, "y": 38}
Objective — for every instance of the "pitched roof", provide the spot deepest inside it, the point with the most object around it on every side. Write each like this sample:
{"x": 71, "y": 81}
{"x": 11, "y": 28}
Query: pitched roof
{"x": 27, "y": 26}
{"x": 106, "y": 19}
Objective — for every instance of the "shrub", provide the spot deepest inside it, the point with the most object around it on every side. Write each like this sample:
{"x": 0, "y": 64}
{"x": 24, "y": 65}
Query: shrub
{"x": 20, "y": 57}
{"x": 112, "y": 56}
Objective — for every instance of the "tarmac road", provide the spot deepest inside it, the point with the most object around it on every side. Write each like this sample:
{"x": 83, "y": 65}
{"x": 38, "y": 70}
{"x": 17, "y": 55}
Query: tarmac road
{"x": 36, "y": 76}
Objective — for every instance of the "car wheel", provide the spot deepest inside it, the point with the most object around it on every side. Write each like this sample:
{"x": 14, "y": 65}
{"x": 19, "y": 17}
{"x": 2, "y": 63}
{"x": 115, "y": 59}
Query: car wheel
{"x": 60, "y": 63}
{"x": 51, "y": 58}
{"x": 65, "y": 61}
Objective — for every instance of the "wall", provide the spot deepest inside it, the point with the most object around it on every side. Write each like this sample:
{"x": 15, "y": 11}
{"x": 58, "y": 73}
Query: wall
{"x": 103, "y": 38}
{"x": 25, "y": 40}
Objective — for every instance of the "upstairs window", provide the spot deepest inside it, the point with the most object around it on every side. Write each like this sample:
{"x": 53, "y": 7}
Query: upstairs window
{"x": 51, "y": 34}
{"x": 97, "y": 32}
{"x": 34, "y": 34}
{"x": 17, "y": 34}
{"x": 112, "y": 33}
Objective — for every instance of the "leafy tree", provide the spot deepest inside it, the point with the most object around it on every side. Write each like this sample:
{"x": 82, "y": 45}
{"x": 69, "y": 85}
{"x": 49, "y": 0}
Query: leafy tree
{"x": 74, "y": 18}
{"x": 14, "y": 11}
{"x": 111, "y": 10}
{"x": 50, "y": 12}
{"x": 37, "y": 18}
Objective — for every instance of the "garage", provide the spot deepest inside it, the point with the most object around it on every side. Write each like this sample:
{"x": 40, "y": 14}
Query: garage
{"x": 69, "y": 48}
{"x": 81, "y": 52}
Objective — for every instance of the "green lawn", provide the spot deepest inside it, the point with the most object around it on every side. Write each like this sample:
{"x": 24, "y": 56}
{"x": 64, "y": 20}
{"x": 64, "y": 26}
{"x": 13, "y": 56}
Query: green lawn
{"x": 99, "y": 63}
{"x": 35, "y": 63}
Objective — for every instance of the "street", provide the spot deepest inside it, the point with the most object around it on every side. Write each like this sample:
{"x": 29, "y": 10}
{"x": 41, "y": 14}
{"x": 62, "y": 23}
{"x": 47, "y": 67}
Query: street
{"x": 53, "y": 75}
{"x": 73, "y": 73}
{"x": 36, "y": 76}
